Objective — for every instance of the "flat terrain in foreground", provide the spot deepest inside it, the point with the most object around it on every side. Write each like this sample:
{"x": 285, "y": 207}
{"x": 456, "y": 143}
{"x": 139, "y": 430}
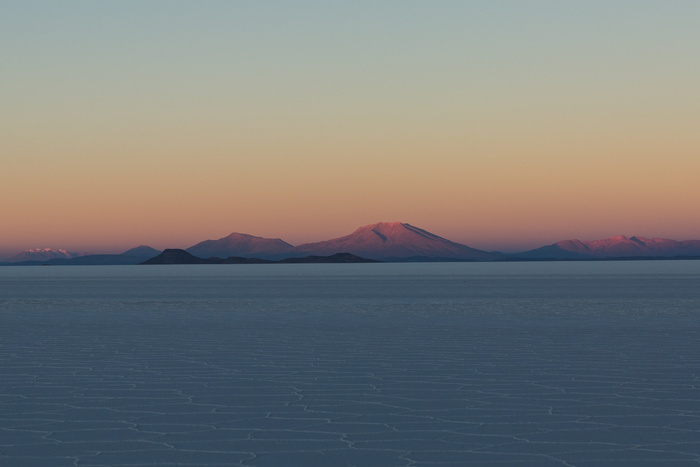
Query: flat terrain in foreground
{"x": 559, "y": 364}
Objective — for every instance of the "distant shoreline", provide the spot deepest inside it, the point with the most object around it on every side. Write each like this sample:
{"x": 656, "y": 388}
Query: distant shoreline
{"x": 321, "y": 260}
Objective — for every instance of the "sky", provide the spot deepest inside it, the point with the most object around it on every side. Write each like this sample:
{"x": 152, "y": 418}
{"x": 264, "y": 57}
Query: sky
{"x": 504, "y": 125}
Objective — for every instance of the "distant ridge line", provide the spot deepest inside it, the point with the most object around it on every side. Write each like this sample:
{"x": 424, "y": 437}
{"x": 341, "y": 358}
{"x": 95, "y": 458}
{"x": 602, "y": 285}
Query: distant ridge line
{"x": 382, "y": 241}
{"x": 178, "y": 256}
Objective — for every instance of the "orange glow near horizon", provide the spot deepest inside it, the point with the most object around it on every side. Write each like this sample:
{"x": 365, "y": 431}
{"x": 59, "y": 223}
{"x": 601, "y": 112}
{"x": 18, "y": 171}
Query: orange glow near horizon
{"x": 480, "y": 204}
{"x": 504, "y": 130}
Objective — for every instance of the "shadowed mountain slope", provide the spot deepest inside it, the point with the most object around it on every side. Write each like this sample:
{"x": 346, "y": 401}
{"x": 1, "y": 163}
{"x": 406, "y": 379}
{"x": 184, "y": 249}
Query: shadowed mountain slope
{"x": 335, "y": 259}
{"x": 244, "y": 245}
{"x": 177, "y": 256}
{"x": 143, "y": 251}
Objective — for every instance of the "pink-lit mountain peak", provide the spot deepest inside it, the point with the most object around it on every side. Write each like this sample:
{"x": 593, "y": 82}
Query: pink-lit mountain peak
{"x": 397, "y": 232}
{"x": 43, "y": 254}
{"x": 394, "y": 240}
{"x": 621, "y": 245}
{"x": 589, "y": 245}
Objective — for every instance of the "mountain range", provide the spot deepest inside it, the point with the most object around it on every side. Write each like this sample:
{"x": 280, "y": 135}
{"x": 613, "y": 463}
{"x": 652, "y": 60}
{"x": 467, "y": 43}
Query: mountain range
{"x": 615, "y": 247}
{"x": 384, "y": 241}
{"x": 47, "y": 256}
{"x": 43, "y": 254}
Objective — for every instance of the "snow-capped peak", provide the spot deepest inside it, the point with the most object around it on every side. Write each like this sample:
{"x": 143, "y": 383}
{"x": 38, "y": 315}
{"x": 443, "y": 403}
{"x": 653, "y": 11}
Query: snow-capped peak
{"x": 43, "y": 254}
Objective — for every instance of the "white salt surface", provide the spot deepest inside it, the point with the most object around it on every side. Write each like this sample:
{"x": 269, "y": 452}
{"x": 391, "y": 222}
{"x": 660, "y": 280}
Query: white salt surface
{"x": 546, "y": 364}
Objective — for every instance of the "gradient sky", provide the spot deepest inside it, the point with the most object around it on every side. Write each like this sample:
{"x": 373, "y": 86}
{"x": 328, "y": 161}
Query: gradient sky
{"x": 500, "y": 124}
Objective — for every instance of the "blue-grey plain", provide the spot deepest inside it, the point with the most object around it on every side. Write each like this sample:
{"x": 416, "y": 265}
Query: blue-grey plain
{"x": 561, "y": 364}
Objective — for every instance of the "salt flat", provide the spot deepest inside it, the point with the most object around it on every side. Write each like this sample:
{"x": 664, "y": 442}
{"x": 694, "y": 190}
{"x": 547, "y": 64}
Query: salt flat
{"x": 561, "y": 364}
